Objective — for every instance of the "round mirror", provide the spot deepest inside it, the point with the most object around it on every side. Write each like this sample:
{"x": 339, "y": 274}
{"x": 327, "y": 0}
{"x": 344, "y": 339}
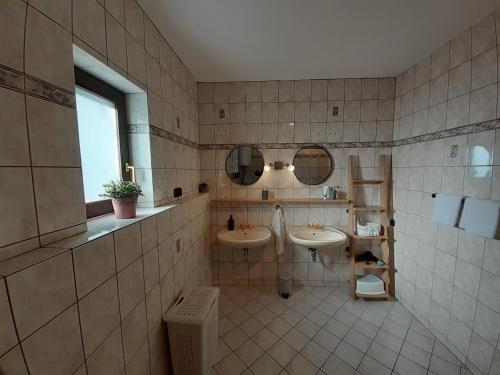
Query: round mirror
{"x": 244, "y": 165}
{"x": 313, "y": 165}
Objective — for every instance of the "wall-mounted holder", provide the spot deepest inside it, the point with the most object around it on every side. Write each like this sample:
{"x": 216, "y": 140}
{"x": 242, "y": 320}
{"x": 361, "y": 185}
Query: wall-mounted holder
{"x": 278, "y": 165}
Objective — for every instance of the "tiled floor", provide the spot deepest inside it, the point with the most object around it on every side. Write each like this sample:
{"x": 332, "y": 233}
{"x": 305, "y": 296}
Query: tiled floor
{"x": 323, "y": 331}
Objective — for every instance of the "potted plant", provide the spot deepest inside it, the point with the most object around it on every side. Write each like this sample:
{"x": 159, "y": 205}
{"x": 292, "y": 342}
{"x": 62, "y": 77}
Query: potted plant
{"x": 123, "y": 195}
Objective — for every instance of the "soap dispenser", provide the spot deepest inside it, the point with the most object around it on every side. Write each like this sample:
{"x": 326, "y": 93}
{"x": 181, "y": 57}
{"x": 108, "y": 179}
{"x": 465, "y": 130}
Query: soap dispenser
{"x": 230, "y": 223}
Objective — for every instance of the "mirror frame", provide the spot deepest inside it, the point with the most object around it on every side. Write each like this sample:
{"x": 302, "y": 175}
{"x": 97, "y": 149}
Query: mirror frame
{"x": 235, "y": 148}
{"x": 331, "y": 160}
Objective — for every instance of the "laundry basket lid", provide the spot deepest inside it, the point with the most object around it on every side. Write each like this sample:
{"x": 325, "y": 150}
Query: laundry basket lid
{"x": 193, "y": 305}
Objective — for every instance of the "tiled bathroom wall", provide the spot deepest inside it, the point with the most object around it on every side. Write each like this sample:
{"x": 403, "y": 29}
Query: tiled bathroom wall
{"x": 93, "y": 303}
{"x": 447, "y": 141}
{"x": 346, "y": 116}
{"x": 86, "y": 297}
{"x": 42, "y": 191}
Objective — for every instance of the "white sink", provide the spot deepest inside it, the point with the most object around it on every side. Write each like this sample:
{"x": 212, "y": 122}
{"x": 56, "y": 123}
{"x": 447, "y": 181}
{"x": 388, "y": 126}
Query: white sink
{"x": 314, "y": 239}
{"x": 256, "y": 236}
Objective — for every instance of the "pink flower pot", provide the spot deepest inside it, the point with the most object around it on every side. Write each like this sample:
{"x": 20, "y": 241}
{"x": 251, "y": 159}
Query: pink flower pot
{"x": 125, "y": 208}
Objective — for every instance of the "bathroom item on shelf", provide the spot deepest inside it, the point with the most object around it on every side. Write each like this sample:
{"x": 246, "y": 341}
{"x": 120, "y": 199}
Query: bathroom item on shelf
{"x": 285, "y": 284}
{"x": 330, "y": 192}
{"x": 203, "y": 188}
{"x": 192, "y": 330}
{"x": 368, "y": 257}
{"x": 335, "y": 192}
{"x": 325, "y": 192}
{"x": 370, "y": 284}
{"x": 368, "y": 230}
{"x": 446, "y": 209}
{"x": 230, "y": 223}
{"x": 279, "y": 228}
{"x": 481, "y": 217}
{"x": 265, "y": 195}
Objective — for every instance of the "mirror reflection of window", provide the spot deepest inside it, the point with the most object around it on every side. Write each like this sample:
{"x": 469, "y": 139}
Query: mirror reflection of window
{"x": 313, "y": 165}
{"x": 245, "y": 165}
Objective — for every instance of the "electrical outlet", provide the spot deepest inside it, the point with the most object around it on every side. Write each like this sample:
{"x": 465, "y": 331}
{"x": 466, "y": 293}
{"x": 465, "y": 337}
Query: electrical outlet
{"x": 178, "y": 245}
{"x": 222, "y": 113}
{"x": 335, "y": 111}
{"x": 453, "y": 151}
{"x": 178, "y": 122}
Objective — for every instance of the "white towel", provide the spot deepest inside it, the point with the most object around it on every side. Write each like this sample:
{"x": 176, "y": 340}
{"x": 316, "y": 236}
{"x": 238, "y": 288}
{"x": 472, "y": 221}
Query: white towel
{"x": 446, "y": 209}
{"x": 481, "y": 217}
{"x": 279, "y": 227}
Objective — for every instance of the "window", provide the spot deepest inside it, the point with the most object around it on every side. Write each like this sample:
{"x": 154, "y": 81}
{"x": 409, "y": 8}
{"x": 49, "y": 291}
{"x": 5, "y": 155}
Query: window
{"x": 103, "y": 138}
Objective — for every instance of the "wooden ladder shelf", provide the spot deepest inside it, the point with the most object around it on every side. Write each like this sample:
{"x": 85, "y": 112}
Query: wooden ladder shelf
{"x": 385, "y": 272}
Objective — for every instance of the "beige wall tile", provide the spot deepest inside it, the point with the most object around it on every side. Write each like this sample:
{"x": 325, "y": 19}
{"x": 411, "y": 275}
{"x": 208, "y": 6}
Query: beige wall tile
{"x": 134, "y": 331}
{"x": 108, "y": 357}
{"x": 206, "y": 92}
{"x": 369, "y": 88}
{"x": 440, "y": 61}
{"x": 93, "y": 263}
{"x": 286, "y": 91}
{"x": 460, "y": 49}
{"x": 149, "y": 233}
{"x": 270, "y": 91}
{"x": 48, "y": 51}
{"x": 130, "y": 287}
{"x": 99, "y": 315}
{"x": 151, "y": 269}
{"x": 460, "y": 80}
{"x": 483, "y": 35}
{"x": 165, "y": 53}
{"x": 127, "y": 245}
{"x": 151, "y": 37}
{"x": 14, "y": 142}
{"x": 59, "y": 198}
{"x": 423, "y": 71}
{"x": 12, "y": 362}
{"x": 93, "y": 33}
{"x": 116, "y": 42}
{"x": 18, "y": 221}
{"x": 134, "y": 20}
{"x": 319, "y": 90}
{"x": 237, "y": 92}
{"x": 43, "y": 349}
{"x": 352, "y": 89}
{"x": 55, "y": 292}
{"x": 117, "y": 9}
{"x": 484, "y": 69}
{"x": 12, "y": 19}
{"x": 140, "y": 363}
{"x": 8, "y": 336}
{"x": 53, "y": 134}
{"x": 136, "y": 59}
{"x": 336, "y": 89}
{"x": 483, "y": 104}
{"x": 253, "y": 92}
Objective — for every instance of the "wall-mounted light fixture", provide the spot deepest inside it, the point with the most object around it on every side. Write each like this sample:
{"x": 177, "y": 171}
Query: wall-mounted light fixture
{"x": 278, "y": 165}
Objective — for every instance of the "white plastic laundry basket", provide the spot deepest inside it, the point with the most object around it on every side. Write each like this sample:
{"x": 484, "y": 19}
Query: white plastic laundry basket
{"x": 192, "y": 331}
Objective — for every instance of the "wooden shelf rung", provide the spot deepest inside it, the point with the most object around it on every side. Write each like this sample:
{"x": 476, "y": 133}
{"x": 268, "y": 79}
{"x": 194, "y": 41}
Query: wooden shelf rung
{"x": 368, "y": 181}
{"x": 370, "y": 208}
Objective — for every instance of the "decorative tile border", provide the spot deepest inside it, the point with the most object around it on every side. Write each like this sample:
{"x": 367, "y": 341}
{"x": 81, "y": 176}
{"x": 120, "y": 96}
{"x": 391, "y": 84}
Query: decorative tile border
{"x": 467, "y": 129}
{"x": 14, "y": 80}
{"x": 462, "y": 130}
{"x": 298, "y": 145}
{"x": 11, "y": 79}
{"x": 151, "y": 129}
{"x": 47, "y": 91}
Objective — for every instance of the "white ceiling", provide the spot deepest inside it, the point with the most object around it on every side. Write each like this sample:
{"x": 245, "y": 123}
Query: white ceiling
{"x": 231, "y": 40}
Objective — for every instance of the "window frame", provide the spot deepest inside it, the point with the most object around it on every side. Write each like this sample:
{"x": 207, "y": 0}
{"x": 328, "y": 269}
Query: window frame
{"x": 100, "y": 88}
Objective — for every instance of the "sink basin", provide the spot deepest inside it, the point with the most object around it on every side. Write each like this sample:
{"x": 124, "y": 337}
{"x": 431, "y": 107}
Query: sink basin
{"x": 314, "y": 239}
{"x": 245, "y": 238}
